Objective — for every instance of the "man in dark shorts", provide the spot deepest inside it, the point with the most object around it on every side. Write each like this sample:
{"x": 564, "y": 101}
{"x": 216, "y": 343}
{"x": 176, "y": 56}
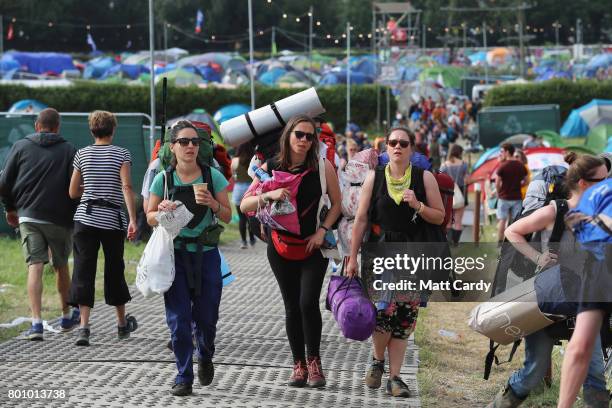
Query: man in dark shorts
{"x": 34, "y": 191}
{"x": 511, "y": 175}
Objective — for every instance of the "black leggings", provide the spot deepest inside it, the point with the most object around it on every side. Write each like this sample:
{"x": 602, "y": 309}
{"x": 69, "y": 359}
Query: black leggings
{"x": 243, "y": 225}
{"x": 300, "y": 284}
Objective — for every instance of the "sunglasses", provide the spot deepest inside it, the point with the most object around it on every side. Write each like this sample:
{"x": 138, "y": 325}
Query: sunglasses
{"x": 184, "y": 141}
{"x": 594, "y": 180}
{"x": 300, "y": 135}
{"x": 394, "y": 142}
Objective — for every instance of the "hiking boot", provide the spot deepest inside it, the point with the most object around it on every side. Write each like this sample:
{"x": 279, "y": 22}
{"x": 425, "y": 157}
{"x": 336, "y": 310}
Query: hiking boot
{"x": 35, "y": 332}
{"x": 206, "y": 372}
{"x": 397, "y": 388}
{"x": 123, "y": 332}
{"x": 299, "y": 376}
{"x": 506, "y": 398}
{"x": 593, "y": 398}
{"x": 67, "y": 324}
{"x": 373, "y": 378}
{"x": 181, "y": 390}
{"x": 316, "y": 378}
{"x": 83, "y": 336}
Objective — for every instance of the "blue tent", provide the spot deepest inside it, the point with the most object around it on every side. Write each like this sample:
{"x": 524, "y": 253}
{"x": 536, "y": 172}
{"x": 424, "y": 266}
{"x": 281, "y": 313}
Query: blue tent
{"x": 339, "y": 78}
{"x": 366, "y": 66}
{"x": 209, "y": 74}
{"x": 27, "y": 106}
{"x": 42, "y": 62}
{"x": 97, "y": 67}
{"x": 598, "y": 61}
{"x": 270, "y": 77}
{"x": 8, "y": 63}
{"x": 231, "y": 111}
{"x": 551, "y": 73}
{"x": 581, "y": 120}
{"x": 409, "y": 73}
{"x": 486, "y": 156}
{"x": 479, "y": 57}
{"x": 126, "y": 70}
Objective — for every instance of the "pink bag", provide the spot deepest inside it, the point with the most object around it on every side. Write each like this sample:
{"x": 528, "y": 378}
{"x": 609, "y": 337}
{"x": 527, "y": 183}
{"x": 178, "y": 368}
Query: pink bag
{"x": 278, "y": 215}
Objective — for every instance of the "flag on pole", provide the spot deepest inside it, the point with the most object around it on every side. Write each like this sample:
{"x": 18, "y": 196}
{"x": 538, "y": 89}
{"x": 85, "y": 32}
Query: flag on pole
{"x": 274, "y": 50}
{"x": 9, "y": 34}
{"x": 199, "y": 21}
{"x": 91, "y": 42}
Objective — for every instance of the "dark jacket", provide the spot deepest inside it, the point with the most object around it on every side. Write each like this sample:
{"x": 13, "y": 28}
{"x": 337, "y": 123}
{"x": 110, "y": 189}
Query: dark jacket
{"x": 36, "y": 178}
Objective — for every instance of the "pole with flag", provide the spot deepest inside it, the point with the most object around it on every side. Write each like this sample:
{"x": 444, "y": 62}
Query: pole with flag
{"x": 9, "y": 34}
{"x": 91, "y": 43}
{"x": 152, "y": 75}
{"x": 199, "y": 21}
{"x": 251, "y": 61}
{"x": 1, "y": 36}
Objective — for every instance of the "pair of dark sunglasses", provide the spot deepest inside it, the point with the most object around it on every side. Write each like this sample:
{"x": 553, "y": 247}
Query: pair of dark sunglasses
{"x": 595, "y": 180}
{"x": 300, "y": 135}
{"x": 184, "y": 141}
{"x": 394, "y": 142}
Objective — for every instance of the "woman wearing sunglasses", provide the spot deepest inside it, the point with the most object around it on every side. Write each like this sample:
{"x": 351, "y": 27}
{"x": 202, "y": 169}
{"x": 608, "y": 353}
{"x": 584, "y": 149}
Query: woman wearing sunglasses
{"x": 195, "y": 294}
{"x": 406, "y": 206}
{"x": 300, "y": 281}
{"x": 584, "y": 346}
{"x": 583, "y": 172}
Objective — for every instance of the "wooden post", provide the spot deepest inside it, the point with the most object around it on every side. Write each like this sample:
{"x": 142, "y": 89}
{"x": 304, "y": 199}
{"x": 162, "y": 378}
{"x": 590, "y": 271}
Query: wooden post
{"x": 477, "y": 198}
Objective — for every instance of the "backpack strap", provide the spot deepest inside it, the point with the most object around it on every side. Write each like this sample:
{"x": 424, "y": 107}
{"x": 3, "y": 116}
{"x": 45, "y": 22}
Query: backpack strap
{"x": 491, "y": 357}
{"x": 559, "y": 227}
{"x": 379, "y": 179}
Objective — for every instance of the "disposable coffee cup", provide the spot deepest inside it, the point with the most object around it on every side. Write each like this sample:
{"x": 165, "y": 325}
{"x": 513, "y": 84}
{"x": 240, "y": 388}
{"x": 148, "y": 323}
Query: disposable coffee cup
{"x": 199, "y": 187}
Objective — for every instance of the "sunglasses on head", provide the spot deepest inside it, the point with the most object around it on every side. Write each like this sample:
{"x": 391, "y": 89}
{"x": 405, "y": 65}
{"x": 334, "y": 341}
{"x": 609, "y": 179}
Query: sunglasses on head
{"x": 184, "y": 141}
{"x": 300, "y": 135}
{"x": 594, "y": 180}
{"x": 394, "y": 142}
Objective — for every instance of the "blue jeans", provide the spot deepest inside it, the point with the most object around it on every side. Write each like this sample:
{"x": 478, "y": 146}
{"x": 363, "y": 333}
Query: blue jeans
{"x": 505, "y": 207}
{"x": 182, "y": 307}
{"x": 538, "y": 349}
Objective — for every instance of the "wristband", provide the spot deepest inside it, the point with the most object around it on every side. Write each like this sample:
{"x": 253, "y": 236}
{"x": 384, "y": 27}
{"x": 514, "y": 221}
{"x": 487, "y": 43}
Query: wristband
{"x": 324, "y": 227}
{"x": 218, "y": 209}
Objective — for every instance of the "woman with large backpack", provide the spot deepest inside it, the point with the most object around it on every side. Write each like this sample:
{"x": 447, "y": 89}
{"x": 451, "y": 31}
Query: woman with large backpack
{"x": 593, "y": 310}
{"x": 559, "y": 247}
{"x": 296, "y": 261}
{"x": 392, "y": 196}
{"x": 457, "y": 169}
{"x": 195, "y": 294}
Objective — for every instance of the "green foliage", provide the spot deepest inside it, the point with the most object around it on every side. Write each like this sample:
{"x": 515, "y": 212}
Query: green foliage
{"x": 89, "y": 96}
{"x": 567, "y": 94}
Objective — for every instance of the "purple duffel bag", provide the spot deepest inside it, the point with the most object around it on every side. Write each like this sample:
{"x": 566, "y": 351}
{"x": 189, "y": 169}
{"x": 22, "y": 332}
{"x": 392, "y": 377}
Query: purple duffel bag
{"x": 354, "y": 312}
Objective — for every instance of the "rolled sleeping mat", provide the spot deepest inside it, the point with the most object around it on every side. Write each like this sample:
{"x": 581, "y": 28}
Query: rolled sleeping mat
{"x": 254, "y": 124}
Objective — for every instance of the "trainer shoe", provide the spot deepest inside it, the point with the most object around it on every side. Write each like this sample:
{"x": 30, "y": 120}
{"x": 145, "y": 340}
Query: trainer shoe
{"x": 397, "y": 388}
{"x": 373, "y": 378}
{"x": 506, "y": 398}
{"x": 244, "y": 245}
{"x": 123, "y": 332}
{"x": 181, "y": 390}
{"x": 299, "y": 375}
{"x": 70, "y": 323}
{"x": 316, "y": 378}
{"x": 83, "y": 336}
{"x": 35, "y": 332}
{"x": 206, "y": 372}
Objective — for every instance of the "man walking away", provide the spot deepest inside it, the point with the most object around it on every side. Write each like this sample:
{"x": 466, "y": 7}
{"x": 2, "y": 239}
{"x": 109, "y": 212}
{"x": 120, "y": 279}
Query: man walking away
{"x": 511, "y": 175}
{"x": 34, "y": 191}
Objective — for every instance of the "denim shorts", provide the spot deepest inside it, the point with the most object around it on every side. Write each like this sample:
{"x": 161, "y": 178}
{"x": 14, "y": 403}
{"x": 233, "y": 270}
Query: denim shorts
{"x": 508, "y": 206}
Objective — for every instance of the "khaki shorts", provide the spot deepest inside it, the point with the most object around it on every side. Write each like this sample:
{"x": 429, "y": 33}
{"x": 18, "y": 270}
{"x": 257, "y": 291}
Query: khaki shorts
{"x": 37, "y": 239}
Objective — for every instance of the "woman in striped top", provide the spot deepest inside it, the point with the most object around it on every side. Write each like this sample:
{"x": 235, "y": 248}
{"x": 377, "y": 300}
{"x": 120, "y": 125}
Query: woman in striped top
{"x": 101, "y": 178}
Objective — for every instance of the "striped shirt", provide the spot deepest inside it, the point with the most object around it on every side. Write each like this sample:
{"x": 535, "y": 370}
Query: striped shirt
{"x": 100, "y": 167}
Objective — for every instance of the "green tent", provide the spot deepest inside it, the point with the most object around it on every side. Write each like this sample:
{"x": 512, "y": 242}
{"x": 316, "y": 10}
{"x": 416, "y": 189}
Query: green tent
{"x": 449, "y": 77}
{"x": 550, "y": 136}
{"x": 181, "y": 77}
{"x": 597, "y": 139}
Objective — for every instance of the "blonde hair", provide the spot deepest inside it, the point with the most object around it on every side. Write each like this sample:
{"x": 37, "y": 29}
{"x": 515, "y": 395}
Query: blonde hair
{"x": 102, "y": 123}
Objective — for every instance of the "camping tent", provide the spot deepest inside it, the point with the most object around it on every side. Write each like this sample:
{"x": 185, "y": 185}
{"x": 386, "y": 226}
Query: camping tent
{"x": 339, "y": 77}
{"x": 180, "y": 77}
{"x": 581, "y": 120}
{"x": 27, "y": 106}
{"x": 43, "y": 62}
{"x": 230, "y": 111}
{"x": 537, "y": 159}
{"x": 598, "y": 137}
{"x": 446, "y": 76}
